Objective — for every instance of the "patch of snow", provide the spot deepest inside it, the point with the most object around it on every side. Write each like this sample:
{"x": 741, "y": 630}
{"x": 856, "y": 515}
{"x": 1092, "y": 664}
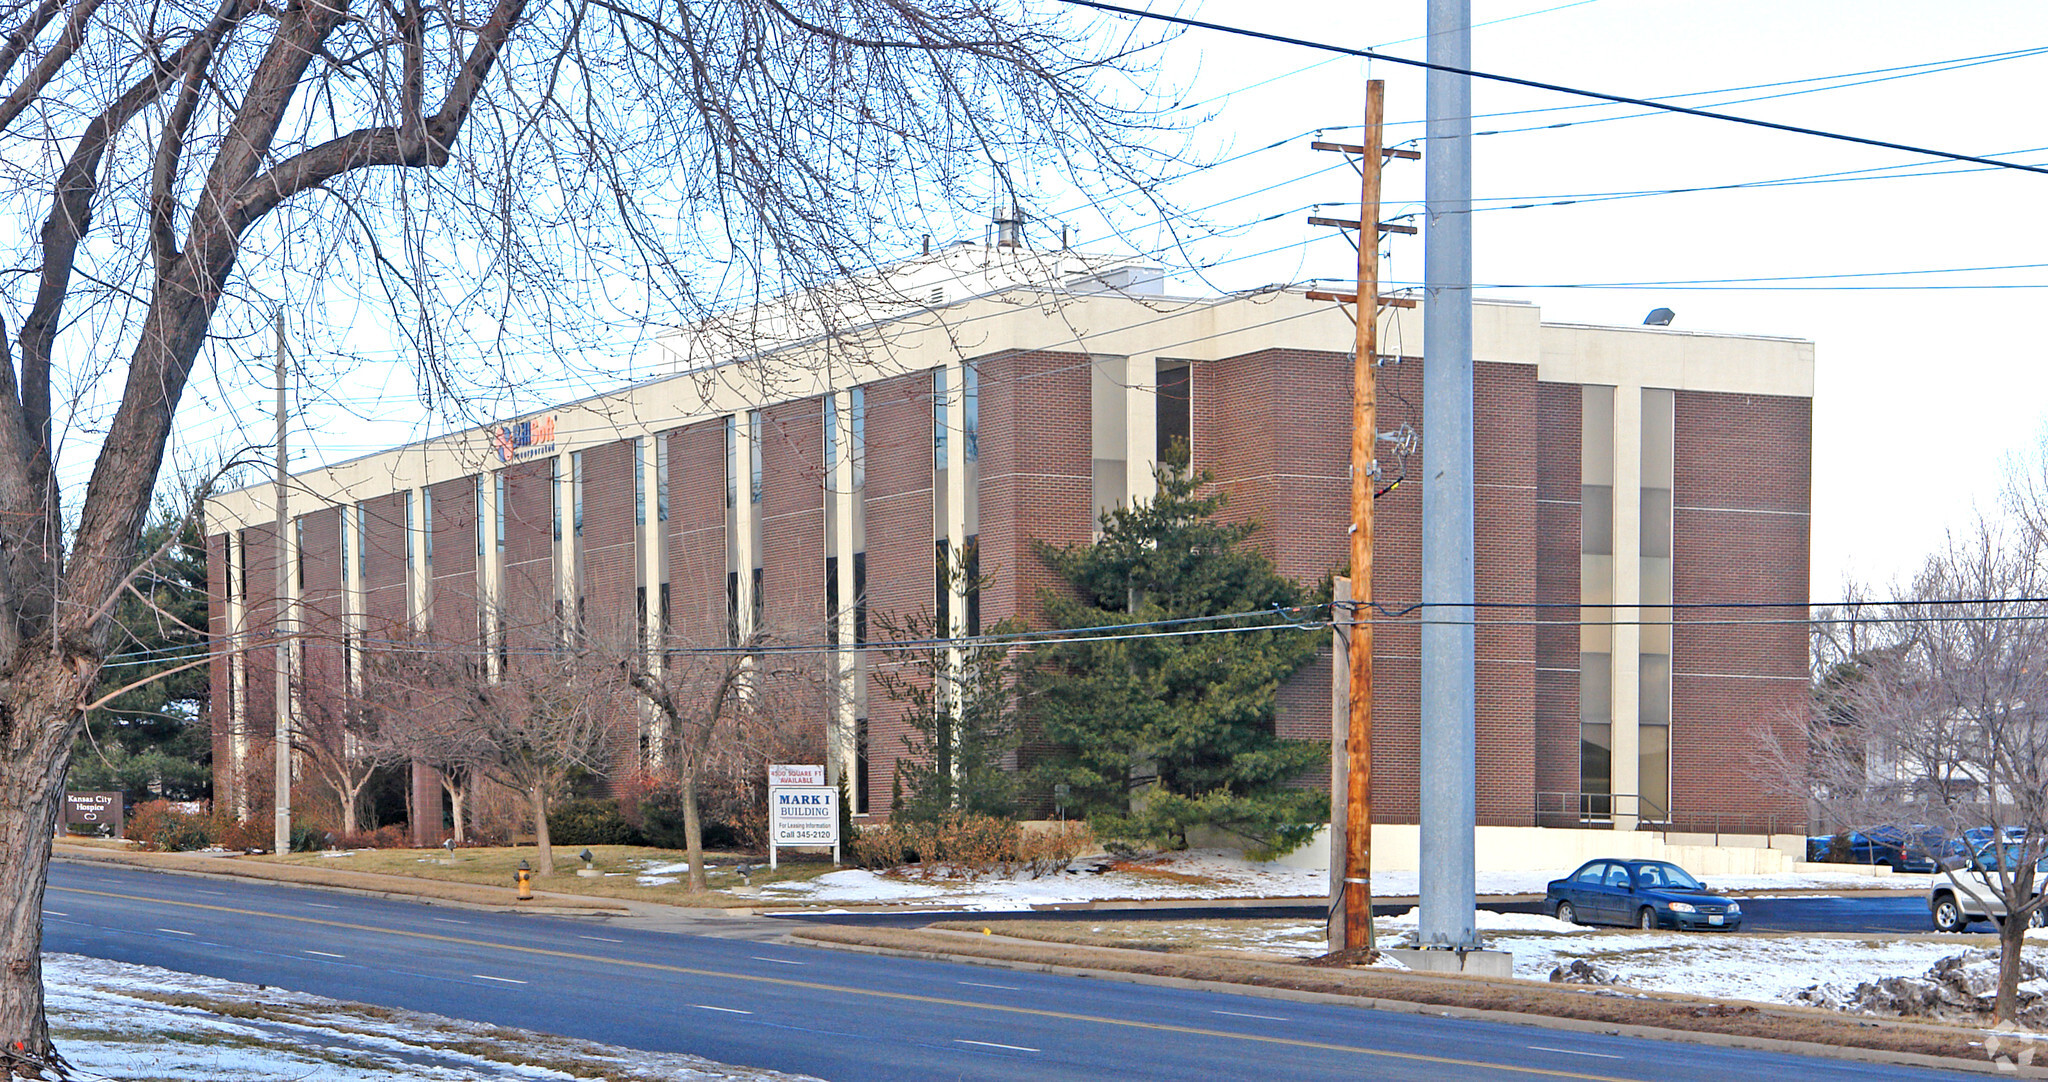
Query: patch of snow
{"x": 666, "y": 869}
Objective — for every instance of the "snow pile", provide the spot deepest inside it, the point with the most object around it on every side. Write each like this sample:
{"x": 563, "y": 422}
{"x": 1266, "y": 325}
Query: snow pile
{"x": 1202, "y": 873}
{"x": 1957, "y": 988}
{"x": 113, "y": 1020}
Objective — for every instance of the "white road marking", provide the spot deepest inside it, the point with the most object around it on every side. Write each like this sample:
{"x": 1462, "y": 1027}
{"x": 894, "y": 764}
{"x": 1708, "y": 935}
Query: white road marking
{"x": 54, "y": 913}
{"x": 1241, "y": 1014}
{"x": 324, "y": 954}
{"x": 174, "y": 931}
{"x": 600, "y": 939}
{"x": 721, "y": 1010}
{"x": 215, "y": 893}
{"x": 1573, "y": 1052}
{"x": 1004, "y": 987}
{"x": 777, "y": 961}
{"x": 322, "y": 905}
{"x": 500, "y": 980}
{"x": 450, "y": 920}
{"x": 992, "y": 1044}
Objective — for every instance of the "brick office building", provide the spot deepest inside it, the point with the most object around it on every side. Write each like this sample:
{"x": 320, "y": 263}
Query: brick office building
{"x": 1618, "y": 471}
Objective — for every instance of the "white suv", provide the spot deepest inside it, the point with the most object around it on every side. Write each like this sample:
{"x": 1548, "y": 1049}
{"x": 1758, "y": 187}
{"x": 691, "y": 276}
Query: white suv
{"x": 1969, "y": 894}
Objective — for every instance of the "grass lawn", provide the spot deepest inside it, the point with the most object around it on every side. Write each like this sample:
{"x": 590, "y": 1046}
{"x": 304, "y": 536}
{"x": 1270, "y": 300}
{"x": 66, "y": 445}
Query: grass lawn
{"x": 626, "y": 867}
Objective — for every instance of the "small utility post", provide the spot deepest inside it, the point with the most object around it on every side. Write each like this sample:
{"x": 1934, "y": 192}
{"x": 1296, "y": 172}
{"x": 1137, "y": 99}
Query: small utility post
{"x": 282, "y": 625}
{"x": 1355, "y": 905}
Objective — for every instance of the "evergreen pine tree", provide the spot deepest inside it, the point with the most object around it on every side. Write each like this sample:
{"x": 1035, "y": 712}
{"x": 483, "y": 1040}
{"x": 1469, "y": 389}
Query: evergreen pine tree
{"x": 1155, "y": 735}
{"x": 153, "y": 741}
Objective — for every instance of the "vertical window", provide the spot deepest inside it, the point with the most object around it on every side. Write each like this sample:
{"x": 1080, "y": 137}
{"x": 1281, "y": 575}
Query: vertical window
{"x": 1596, "y": 597}
{"x": 498, "y": 526}
{"x": 754, "y": 456}
{"x": 860, "y": 598}
{"x": 860, "y": 766}
{"x": 970, "y": 420}
{"x": 299, "y": 551}
{"x": 1653, "y": 695}
{"x": 639, "y": 483}
{"x": 427, "y": 525}
{"x": 341, "y": 517}
{"x": 576, "y": 491}
{"x": 944, "y": 591}
{"x": 362, "y": 545}
{"x": 732, "y": 608}
{"x": 732, "y": 461}
{"x": 938, "y": 419}
{"x": 857, "y": 425}
{"x": 409, "y": 538}
{"x": 832, "y": 600}
{"x": 831, "y": 426}
{"x": 483, "y": 521}
{"x": 661, "y": 478}
{"x": 757, "y": 597}
{"x": 555, "y": 497}
{"x": 973, "y": 568}
{"x": 1173, "y": 384}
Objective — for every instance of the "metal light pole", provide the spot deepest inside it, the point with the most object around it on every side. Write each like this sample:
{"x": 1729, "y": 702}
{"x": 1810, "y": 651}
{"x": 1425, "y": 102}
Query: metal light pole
{"x": 1448, "y": 697}
{"x": 282, "y": 621}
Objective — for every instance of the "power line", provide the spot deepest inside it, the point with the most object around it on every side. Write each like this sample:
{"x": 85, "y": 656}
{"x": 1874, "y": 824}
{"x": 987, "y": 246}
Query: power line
{"x": 1557, "y": 88}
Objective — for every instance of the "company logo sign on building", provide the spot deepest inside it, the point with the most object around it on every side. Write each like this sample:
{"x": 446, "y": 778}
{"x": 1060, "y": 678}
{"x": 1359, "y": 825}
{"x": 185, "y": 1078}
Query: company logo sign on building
{"x": 521, "y": 440}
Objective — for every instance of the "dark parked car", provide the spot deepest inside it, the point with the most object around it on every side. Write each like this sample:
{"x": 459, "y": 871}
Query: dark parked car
{"x": 1646, "y": 893}
{"x": 1902, "y": 849}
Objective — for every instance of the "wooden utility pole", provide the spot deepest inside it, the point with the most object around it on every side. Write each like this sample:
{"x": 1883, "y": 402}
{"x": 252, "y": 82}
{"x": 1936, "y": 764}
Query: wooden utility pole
{"x": 1356, "y": 899}
{"x": 282, "y": 625}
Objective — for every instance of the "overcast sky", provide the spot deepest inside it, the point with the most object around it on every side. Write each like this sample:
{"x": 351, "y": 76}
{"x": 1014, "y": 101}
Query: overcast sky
{"x": 1924, "y": 394}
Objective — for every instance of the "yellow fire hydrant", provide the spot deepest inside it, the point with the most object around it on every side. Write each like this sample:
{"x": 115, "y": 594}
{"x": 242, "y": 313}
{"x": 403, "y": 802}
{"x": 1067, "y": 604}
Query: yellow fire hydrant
{"x": 524, "y": 878}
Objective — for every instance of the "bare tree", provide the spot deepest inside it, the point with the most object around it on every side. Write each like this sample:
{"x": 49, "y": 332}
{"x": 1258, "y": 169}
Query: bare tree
{"x": 174, "y": 170}
{"x": 1942, "y": 724}
{"x": 417, "y": 698}
{"x": 335, "y": 733}
{"x": 719, "y": 706}
{"x": 537, "y": 723}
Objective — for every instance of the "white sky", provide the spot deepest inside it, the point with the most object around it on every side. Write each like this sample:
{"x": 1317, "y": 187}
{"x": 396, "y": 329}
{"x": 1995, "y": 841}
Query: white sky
{"x": 1923, "y": 394}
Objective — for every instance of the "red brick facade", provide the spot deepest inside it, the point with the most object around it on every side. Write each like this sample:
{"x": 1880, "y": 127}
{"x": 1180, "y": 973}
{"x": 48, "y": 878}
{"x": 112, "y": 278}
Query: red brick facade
{"x": 1274, "y": 428}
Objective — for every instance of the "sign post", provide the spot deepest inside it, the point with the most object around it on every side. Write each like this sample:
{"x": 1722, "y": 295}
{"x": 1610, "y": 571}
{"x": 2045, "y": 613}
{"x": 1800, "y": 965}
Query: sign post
{"x": 802, "y": 809}
{"x": 99, "y": 812}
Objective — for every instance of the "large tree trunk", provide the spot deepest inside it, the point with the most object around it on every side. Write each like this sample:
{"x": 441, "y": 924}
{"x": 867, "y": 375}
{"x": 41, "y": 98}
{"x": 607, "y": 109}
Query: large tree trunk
{"x": 2012, "y": 935}
{"x": 38, "y": 721}
{"x": 693, "y": 829}
{"x": 544, "y": 854}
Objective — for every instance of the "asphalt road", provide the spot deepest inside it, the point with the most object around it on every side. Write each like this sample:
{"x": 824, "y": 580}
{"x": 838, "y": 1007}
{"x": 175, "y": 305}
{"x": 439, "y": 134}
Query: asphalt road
{"x": 1789, "y": 914}
{"x": 833, "y": 1014}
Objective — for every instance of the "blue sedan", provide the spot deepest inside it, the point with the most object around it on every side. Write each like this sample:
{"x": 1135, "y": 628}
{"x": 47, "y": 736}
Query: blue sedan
{"x": 1649, "y": 894}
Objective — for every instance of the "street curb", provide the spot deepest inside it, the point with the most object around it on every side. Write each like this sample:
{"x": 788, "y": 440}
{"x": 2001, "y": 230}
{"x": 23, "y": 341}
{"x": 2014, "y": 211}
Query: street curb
{"x": 370, "y": 892}
{"x": 1396, "y": 1006}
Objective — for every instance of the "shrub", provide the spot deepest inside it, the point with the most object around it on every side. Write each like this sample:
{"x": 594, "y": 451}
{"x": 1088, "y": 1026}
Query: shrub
{"x": 590, "y": 822}
{"x": 877, "y": 847}
{"x": 392, "y": 836}
{"x": 160, "y": 827}
{"x": 242, "y": 835}
{"x": 963, "y": 844}
{"x": 1047, "y": 850}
